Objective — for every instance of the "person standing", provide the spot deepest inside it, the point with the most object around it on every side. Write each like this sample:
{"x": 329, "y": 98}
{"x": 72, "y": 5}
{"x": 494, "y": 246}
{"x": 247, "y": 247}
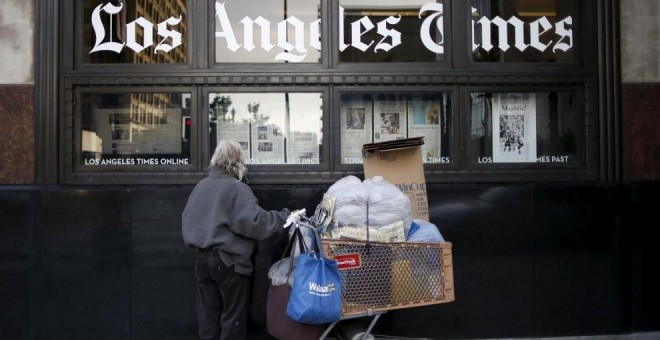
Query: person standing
{"x": 223, "y": 221}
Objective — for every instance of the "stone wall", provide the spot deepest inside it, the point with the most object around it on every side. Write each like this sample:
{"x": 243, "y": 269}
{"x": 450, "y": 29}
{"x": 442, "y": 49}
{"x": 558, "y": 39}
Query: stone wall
{"x": 16, "y": 42}
{"x": 640, "y": 92}
{"x": 16, "y": 134}
{"x": 16, "y": 92}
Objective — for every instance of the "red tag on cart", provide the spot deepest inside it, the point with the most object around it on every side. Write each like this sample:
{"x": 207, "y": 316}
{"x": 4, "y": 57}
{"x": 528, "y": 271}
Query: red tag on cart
{"x": 348, "y": 261}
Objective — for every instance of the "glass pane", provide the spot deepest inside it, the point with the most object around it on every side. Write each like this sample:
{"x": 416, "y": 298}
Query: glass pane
{"x": 379, "y": 117}
{"x": 391, "y": 31}
{"x": 134, "y": 31}
{"x": 135, "y": 129}
{"x": 522, "y": 31}
{"x": 526, "y": 127}
{"x": 256, "y": 31}
{"x": 273, "y": 128}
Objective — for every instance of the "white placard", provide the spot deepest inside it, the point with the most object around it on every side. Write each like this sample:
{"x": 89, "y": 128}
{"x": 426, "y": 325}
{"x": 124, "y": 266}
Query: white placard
{"x": 514, "y": 127}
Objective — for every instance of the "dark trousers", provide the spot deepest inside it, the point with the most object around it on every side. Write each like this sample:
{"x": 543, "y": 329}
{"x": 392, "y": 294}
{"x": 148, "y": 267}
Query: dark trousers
{"x": 222, "y": 298}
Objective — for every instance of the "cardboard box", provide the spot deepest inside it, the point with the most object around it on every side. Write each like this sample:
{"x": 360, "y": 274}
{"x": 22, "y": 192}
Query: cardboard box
{"x": 400, "y": 163}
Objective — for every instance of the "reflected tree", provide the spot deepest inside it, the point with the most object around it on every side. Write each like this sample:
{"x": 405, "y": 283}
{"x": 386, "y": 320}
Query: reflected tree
{"x": 255, "y": 116}
{"x": 219, "y": 107}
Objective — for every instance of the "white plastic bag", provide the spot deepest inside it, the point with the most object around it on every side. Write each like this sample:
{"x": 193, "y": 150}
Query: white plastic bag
{"x": 350, "y": 201}
{"x": 387, "y": 204}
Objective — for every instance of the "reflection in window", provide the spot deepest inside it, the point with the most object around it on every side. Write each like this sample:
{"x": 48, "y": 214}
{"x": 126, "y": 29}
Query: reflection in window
{"x": 392, "y": 31}
{"x": 272, "y": 128}
{"x": 256, "y": 31}
{"x": 134, "y": 31}
{"x": 135, "y": 129}
{"x": 379, "y": 117}
{"x": 525, "y": 127}
{"x": 522, "y": 31}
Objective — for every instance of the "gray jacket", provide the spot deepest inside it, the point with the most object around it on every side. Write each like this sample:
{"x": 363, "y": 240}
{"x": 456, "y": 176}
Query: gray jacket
{"x": 223, "y": 213}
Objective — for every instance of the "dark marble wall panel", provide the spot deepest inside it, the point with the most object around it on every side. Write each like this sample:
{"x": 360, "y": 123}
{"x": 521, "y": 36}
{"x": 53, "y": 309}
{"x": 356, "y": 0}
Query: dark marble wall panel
{"x": 80, "y": 284}
{"x": 15, "y": 231}
{"x": 641, "y": 131}
{"x": 16, "y": 134}
{"x": 492, "y": 242}
{"x": 639, "y": 206}
{"x": 529, "y": 261}
{"x": 162, "y": 278}
{"x": 271, "y": 249}
{"x": 579, "y": 269}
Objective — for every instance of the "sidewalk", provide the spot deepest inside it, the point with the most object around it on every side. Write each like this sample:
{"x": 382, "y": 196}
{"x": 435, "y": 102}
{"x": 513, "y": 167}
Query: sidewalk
{"x": 633, "y": 336}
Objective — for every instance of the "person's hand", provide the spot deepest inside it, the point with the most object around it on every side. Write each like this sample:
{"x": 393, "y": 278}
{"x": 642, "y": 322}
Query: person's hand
{"x": 294, "y": 217}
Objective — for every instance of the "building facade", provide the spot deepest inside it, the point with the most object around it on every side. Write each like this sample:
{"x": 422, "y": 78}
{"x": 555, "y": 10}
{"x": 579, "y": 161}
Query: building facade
{"x": 540, "y": 151}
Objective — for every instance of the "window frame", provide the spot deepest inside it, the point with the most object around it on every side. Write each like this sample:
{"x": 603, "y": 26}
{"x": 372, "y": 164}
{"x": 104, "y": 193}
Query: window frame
{"x": 580, "y": 50}
{"x": 76, "y": 61}
{"x": 454, "y": 147}
{"x": 262, "y": 171}
{"x": 536, "y": 171}
{"x": 76, "y": 172}
{"x": 59, "y": 75}
{"x": 360, "y": 67}
{"x": 267, "y": 67}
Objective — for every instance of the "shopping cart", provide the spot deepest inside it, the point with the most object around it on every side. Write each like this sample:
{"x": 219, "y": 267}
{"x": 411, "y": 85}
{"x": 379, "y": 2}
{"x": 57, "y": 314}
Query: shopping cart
{"x": 378, "y": 277}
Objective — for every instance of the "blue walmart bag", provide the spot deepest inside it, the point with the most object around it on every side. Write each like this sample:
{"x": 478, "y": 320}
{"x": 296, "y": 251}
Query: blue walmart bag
{"x": 316, "y": 292}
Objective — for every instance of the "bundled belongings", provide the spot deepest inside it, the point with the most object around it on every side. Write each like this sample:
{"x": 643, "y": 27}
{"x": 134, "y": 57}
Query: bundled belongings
{"x": 323, "y": 213}
{"x": 388, "y": 259}
{"x": 373, "y": 202}
{"x": 388, "y": 233}
{"x": 278, "y": 323}
{"x": 316, "y": 291}
{"x": 351, "y": 199}
{"x": 379, "y": 276}
{"x": 300, "y": 239}
{"x": 387, "y": 204}
{"x": 423, "y": 231}
{"x": 400, "y": 163}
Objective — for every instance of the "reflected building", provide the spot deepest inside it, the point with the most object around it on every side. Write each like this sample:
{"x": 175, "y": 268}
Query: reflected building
{"x": 147, "y": 110}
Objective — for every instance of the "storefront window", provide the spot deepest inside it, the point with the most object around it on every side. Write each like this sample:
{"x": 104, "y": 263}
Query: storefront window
{"x": 181, "y": 75}
{"x": 272, "y": 128}
{"x": 256, "y": 31}
{"x": 134, "y": 31}
{"x": 522, "y": 31}
{"x": 392, "y": 31}
{"x": 382, "y": 116}
{"x": 526, "y": 127}
{"x": 135, "y": 129}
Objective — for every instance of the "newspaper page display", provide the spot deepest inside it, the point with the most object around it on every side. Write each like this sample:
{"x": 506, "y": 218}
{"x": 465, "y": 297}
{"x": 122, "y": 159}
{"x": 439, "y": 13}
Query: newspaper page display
{"x": 390, "y": 120}
{"x": 302, "y": 148}
{"x": 514, "y": 125}
{"x": 424, "y": 121}
{"x": 239, "y": 132}
{"x": 356, "y": 123}
{"x": 267, "y": 144}
{"x": 367, "y": 120}
{"x": 121, "y": 135}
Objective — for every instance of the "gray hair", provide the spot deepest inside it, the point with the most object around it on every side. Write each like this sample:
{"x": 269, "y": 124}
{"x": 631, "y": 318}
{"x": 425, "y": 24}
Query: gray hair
{"x": 229, "y": 156}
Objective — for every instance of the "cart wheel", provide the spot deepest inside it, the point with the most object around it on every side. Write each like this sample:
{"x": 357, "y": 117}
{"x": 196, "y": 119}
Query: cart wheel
{"x": 360, "y": 336}
{"x": 353, "y": 330}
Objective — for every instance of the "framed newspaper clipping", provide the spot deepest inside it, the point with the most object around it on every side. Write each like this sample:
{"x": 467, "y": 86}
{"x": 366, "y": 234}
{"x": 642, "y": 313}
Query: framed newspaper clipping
{"x": 514, "y": 127}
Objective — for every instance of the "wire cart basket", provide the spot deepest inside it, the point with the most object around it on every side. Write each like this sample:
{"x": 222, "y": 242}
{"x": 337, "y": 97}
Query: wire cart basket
{"x": 385, "y": 276}
{"x": 378, "y": 276}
